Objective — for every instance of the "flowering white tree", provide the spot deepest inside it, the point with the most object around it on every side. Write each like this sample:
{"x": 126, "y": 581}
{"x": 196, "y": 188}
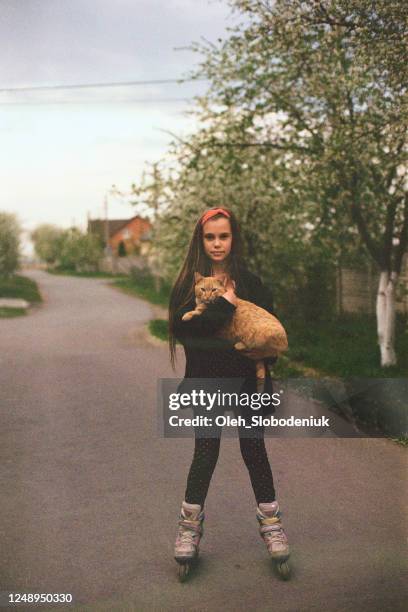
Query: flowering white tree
{"x": 333, "y": 75}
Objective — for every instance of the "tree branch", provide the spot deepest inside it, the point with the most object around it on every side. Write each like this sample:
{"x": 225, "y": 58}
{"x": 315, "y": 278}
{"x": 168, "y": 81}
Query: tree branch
{"x": 271, "y": 145}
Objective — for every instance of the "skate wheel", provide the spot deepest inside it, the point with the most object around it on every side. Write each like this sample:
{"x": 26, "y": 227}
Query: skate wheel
{"x": 183, "y": 571}
{"x": 284, "y": 570}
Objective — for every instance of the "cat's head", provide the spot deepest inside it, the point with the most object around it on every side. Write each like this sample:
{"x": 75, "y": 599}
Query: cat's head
{"x": 208, "y": 288}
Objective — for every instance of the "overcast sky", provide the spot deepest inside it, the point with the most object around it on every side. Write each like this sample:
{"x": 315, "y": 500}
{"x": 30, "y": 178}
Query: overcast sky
{"x": 62, "y": 150}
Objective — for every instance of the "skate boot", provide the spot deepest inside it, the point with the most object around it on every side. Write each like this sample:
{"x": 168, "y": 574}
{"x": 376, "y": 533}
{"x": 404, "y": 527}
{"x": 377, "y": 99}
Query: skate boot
{"x": 271, "y": 530}
{"x": 188, "y": 538}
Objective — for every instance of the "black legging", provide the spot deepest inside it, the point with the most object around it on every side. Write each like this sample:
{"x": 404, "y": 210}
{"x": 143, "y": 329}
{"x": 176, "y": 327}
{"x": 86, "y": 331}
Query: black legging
{"x": 205, "y": 458}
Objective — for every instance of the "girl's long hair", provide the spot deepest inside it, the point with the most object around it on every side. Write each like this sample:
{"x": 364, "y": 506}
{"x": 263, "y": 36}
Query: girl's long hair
{"x": 197, "y": 261}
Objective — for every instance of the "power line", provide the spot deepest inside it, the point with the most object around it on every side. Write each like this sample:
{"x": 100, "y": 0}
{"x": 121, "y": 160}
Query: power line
{"x": 98, "y": 85}
{"x": 84, "y": 102}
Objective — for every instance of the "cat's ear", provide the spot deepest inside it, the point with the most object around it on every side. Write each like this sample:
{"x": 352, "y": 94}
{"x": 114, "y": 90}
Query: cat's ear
{"x": 223, "y": 280}
{"x": 197, "y": 277}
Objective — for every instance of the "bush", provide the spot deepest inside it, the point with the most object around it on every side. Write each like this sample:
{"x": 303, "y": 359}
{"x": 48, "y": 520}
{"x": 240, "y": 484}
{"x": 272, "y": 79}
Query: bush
{"x": 9, "y": 244}
{"x": 79, "y": 252}
{"x": 122, "y": 249}
{"x": 47, "y": 241}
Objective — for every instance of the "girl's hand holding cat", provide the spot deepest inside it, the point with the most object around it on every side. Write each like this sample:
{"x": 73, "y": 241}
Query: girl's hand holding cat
{"x": 230, "y": 296}
{"x": 230, "y": 287}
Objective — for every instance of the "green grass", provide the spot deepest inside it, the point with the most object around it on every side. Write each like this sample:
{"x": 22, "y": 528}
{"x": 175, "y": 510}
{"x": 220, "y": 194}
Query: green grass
{"x": 159, "y": 328}
{"x": 145, "y": 289}
{"x": 20, "y": 287}
{"x": 346, "y": 347}
{"x": 8, "y": 313}
{"x": 285, "y": 368}
{"x": 402, "y": 441}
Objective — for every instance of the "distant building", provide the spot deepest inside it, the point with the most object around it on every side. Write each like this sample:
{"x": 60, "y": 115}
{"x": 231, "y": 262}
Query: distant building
{"x": 126, "y": 231}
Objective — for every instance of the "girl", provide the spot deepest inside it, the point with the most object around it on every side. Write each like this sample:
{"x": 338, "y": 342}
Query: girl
{"x": 215, "y": 250}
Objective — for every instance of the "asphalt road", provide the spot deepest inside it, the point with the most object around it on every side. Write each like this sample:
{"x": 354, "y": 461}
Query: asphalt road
{"x": 90, "y": 491}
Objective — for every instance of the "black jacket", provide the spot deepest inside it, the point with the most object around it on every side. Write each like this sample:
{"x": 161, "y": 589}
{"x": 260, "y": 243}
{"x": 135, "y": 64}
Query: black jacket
{"x": 208, "y": 356}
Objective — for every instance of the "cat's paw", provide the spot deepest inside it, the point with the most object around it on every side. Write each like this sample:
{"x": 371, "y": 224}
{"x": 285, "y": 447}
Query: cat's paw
{"x": 260, "y": 369}
{"x": 239, "y": 346}
{"x": 187, "y": 316}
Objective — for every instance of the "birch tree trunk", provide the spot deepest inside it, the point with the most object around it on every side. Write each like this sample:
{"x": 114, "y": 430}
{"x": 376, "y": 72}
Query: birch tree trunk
{"x": 386, "y": 317}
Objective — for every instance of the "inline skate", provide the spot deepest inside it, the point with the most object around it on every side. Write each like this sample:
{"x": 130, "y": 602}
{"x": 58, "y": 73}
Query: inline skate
{"x": 188, "y": 538}
{"x": 271, "y": 530}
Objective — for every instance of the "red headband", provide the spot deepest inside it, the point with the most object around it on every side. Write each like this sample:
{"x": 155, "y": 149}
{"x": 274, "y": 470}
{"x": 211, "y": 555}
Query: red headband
{"x": 212, "y": 212}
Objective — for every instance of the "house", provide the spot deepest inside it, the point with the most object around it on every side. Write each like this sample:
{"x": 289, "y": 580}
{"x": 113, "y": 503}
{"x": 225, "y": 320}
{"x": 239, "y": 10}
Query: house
{"x": 126, "y": 231}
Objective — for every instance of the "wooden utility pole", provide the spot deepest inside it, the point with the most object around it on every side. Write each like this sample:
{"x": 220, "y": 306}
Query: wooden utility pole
{"x": 105, "y": 207}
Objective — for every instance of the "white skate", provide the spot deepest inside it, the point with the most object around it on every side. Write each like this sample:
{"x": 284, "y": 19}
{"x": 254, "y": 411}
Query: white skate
{"x": 271, "y": 530}
{"x": 190, "y": 531}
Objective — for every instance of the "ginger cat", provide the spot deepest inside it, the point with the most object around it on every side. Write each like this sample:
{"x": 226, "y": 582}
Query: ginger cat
{"x": 251, "y": 327}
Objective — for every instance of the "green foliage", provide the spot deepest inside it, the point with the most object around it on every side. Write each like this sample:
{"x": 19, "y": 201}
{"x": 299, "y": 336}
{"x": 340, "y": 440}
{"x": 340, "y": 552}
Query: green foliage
{"x": 319, "y": 85}
{"x": 302, "y": 134}
{"x": 306, "y": 148}
{"x": 47, "y": 241}
{"x": 79, "y": 252}
{"x": 122, "y": 249}
{"x": 9, "y": 244}
{"x": 69, "y": 249}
